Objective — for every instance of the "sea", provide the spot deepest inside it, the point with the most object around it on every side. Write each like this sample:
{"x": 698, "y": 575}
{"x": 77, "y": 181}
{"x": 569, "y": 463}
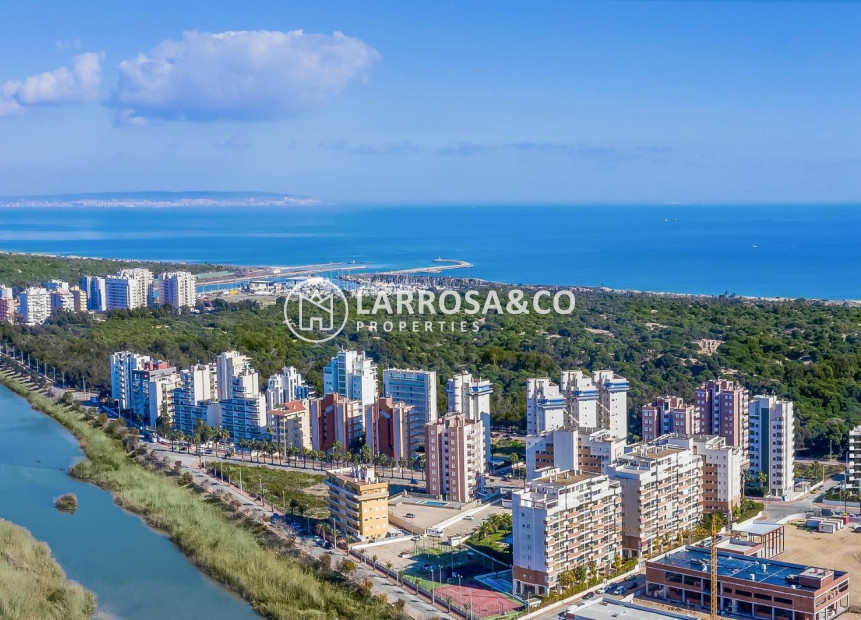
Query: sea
{"x": 811, "y": 251}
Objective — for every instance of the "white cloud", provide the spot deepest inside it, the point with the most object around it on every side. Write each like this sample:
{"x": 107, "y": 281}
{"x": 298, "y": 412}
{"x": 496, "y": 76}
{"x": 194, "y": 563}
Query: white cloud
{"x": 60, "y": 86}
{"x": 241, "y": 75}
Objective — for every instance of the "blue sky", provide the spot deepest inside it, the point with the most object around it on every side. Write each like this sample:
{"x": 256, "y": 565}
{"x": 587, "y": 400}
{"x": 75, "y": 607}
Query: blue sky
{"x": 444, "y": 102}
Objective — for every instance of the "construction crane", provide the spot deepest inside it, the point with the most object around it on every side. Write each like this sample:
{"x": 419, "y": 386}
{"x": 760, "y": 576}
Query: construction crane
{"x": 714, "y": 568}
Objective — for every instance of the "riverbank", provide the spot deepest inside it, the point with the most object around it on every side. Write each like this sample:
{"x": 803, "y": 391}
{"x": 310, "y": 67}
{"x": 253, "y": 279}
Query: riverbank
{"x": 228, "y": 549}
{"x": 32, "y": 584}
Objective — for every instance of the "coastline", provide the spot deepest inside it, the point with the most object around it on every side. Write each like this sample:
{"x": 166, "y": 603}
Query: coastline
{"x": 849, "y": 302}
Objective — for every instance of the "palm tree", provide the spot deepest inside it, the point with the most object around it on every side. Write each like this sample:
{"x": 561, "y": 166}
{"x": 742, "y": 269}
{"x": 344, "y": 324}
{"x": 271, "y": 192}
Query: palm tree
{"x": 243, "y": 444}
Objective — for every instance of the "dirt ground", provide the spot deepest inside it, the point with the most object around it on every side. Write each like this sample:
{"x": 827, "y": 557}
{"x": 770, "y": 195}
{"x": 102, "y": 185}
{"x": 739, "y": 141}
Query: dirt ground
{"x": 840, "y": 551}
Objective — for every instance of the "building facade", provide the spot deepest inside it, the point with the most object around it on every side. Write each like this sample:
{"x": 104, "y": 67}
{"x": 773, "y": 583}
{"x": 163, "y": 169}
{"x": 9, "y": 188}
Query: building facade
{"x": 122, "y": 363}
{"x": 358, "y": 503}
{"x": 290, "y": 425}
{"x": 286, "y": 386}
{"x": 129, "y": 288}
{"x": 177, "y": 288}
{"x": 34, "y": 305}
{"x": 669, "y": 414}
{"x": 471, "y": 396}
{"x": 557, "y": 449}
{"x": 722, "y": 470}
{"x": 748, "y": 587}
{"x": 560, "y": 521}
{"x": 152, "y": 392}
{"x": 418, "y": 390}
{"x": 546, "y": 408}
{"x": 662, "y": 495}
{"x": 597, "y": 402}
{"x": 335, "y": 418}
{"x": 388, "y": 428}
{"x": 454, "y": 458}
{"x": 772, "y": 443}
{"x": 353, "y": 375}
{"x": 195, "y": 399}
{"x": 723, "y": 409}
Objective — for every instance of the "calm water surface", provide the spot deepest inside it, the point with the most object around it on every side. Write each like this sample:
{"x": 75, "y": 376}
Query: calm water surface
{"x": 135, "y": 572}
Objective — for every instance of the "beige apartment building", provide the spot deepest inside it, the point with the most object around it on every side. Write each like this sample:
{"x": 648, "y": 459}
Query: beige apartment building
{"x": 290, "y": 424}
{"x": 358, "y": 503}
{"x": 662, "y": 495}
{"x": 722, "y": 470}
{"x": 454, "y": 457}
{"x": 560, "y": 521}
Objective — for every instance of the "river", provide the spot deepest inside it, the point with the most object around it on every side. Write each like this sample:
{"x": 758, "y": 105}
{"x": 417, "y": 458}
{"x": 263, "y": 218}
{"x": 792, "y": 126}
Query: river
{"x": 135, "y": 572}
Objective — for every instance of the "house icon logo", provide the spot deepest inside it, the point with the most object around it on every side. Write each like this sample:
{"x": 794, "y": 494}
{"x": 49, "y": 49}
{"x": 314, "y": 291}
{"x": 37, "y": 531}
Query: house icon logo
{"x": 312, "y": 310}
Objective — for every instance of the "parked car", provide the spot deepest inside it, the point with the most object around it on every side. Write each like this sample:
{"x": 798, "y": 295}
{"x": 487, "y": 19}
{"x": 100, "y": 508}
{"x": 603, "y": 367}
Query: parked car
{"x": 589, "y": 595}
{"x": 427, "y": 566}
{"x": 413, "y": 481}
{"x": 468, "y": 518}
{"x": 328, "y": 545}
{"x": 630, "y": 578}
{"x": 410, "y": 515}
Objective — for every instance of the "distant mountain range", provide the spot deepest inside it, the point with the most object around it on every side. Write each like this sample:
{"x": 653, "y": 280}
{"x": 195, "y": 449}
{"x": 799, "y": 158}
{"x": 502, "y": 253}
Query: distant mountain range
{"x": 160, "y": 199}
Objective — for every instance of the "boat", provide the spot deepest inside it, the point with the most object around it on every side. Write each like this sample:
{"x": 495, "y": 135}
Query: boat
{"x": 756, "y": 246}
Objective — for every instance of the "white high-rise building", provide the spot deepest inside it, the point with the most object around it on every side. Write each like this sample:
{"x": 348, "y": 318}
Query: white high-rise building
{"x": 600, "y": 401}
{"x": 286, "y": 386}
{"x": 243, "y": 413}
{"x": 772, "y": 443}
{"x": 122, "y": 365}
{"x": 129, "y": 288}
{"x": 353, "y": 375}
{"x": 196, "y": 398}
{"x": 35, "y": 305}
{"x": 177, "y": 288}
{"x": 152, "y": 392}
{"x": 545, "y": 406}
{"x": 471, "y": 397}
{"x": 556, "y": 449}
{"x": 416, "y": 389}
{"x": 561, "y": 521}
{"x": 61, "y": 300}
{"x": 228, "y": 365}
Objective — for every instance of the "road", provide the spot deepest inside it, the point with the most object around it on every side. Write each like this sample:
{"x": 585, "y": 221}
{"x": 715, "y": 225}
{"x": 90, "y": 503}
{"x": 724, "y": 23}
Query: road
{"x": 416, "y": 606}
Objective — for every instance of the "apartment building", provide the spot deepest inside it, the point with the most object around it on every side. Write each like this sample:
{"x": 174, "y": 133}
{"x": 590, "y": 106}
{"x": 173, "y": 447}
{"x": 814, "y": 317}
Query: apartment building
{"x": 662, "y": 495}
{"x": 723, "y": 410}
{"x": 388, "y": 428}
{"x": 598, "y": 449}
{"x": 34, "y": 305}
{"x": 669, "y": 414}
{"x": 80, "y": 300}
{"x": 61, "y": 300}
{"x": 96, "y": 291}
{"x": 228, "y": 365}
{"x": 748, "y": 587}
{"x": 599, "y": 401}
{"x": 546, "y": 407}
{"x": 177, "y": 288}
{"x": 129, "y": 288}
{"x": 353, "y": 375}
{"x": 195, "y": 399}
{"x": 152, "y": 391}
{"x": 418, "y": 390}
{"x": 8, "y": 305}
{"x": 722, "y": 469}
{"x": 290, "y": 425}
{"x": 772, "y": 443}
{"x": 454, "y": 457}
{"x": 335, "y": 418}
{"x": 358, "y": 503}
{"x": 122, "y": 363}
{"x": 286, "y": 386}
{"x": 853, "y": 479}
{"x": 557, "y": 449}
{"x": 471, "y": 396}
{"x": 560, "y": 521}
{"x": 243, "y": 412}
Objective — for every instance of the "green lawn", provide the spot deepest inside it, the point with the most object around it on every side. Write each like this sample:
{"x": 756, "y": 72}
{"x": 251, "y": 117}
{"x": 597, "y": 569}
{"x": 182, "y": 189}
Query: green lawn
{"x": 280, "y": 486}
